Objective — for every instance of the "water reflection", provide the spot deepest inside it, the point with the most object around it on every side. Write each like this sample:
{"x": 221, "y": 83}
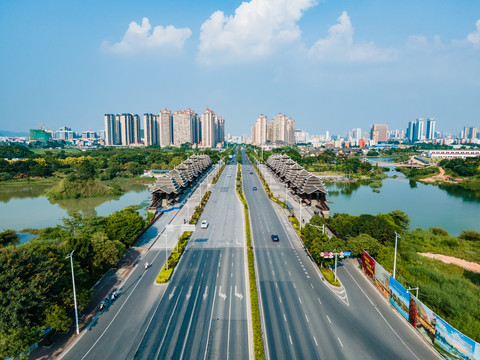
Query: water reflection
{"x": 25, "y": 206}
{"x": 450, "y": 207}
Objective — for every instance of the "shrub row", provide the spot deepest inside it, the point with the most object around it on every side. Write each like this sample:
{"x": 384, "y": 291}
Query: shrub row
{"x": 199, "y": 208}
{"x": 214, "y": 181}
{"x": 257, "y": 328}
{"x": 174, "y": 258}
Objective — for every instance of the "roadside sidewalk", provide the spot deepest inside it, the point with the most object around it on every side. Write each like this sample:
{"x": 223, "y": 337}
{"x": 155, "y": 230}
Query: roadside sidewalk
{"x": 104, "y": 287}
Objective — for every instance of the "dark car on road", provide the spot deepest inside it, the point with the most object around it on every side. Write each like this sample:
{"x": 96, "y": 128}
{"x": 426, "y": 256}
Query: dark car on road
{"x": 275, "y": 238}
{"x": 254, "y": 188}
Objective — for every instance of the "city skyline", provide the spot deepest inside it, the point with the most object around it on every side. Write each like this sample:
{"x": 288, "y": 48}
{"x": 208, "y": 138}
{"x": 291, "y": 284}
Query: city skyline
{"x": 331, "y": 66}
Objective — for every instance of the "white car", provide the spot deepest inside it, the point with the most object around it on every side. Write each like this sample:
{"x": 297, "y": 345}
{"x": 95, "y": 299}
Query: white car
{"x": 204, "y": 224}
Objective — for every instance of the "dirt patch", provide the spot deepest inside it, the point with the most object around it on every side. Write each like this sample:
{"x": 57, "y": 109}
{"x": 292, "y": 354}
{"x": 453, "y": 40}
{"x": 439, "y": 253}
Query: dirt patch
{"x": 467, "y": 265}
{"x": 441, "y": 177}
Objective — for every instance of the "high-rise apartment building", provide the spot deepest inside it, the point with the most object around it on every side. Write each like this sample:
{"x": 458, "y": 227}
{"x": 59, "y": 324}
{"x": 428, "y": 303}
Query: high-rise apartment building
{"x": 185, "y": 127}
{"x": 150, "y": 129}
{"x": 430, "y": 134}
{"x": 209, "y": 134}
{"x": 281, "y": 130}
{"x": 129, "y": 129}
{"x": 379, "y": 133}
{"x": 259, "y": 131}
{"x": 111, "y": 130}
{"x": 165, "y": 128}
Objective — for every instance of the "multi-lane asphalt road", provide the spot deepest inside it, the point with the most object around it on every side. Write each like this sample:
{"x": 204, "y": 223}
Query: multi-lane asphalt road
{"x": 302, "y": 317}
{"x": 202, "y": 313}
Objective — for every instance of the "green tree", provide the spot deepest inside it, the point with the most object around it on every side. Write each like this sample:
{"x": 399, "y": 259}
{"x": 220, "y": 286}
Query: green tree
{"x": 86, "y": 170}
{"x": 105, "y": 252}
{"x": 30, "y": 283}
{"x": 15, "y": 340}
{"x": 8, "y": 237}
{"x": 124, "y": 226}
{"x": 400, "y": 218}
{"x": 363, "y": 242}
{"x": 134, "y": 168}
{"x": 57, "y": 318}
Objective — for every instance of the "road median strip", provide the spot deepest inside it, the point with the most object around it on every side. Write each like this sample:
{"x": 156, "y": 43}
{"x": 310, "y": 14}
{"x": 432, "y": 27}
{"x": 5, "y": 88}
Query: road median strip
{"x": 257, "y": 328}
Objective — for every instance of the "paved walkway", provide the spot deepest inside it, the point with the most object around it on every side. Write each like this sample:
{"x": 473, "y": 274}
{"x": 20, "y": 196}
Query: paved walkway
{"x": 154, "y": 237}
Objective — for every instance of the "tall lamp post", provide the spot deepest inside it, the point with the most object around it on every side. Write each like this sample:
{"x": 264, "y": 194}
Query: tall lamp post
{"x": 395, "y": 256}
{"x": 74, "y": 293}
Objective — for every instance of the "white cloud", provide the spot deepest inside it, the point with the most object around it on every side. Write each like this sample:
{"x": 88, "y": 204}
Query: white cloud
{"x": 339, "y": 46}
{"x": 140, "y": 37}
{"x": 474, "y": 37}
{"x": 257, "y": 29}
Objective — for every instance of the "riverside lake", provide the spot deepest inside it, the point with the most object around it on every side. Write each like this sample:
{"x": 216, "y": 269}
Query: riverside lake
{"x": 26, "y": 206}
{"x": 426, "y": 205}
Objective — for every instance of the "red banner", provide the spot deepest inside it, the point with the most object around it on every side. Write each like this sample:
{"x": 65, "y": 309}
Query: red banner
{"x": 368, "y": 264}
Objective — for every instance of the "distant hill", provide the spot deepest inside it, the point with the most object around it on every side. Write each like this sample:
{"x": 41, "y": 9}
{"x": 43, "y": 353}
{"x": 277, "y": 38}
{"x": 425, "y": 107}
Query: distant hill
{"x": 12, "y": 133}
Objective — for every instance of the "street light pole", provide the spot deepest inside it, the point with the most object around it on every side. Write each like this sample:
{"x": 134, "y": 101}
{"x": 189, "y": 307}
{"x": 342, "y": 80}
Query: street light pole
{"x": 74, "y": 293}
{"x": 395, "y": 256}
{"x": 336, "y": 267}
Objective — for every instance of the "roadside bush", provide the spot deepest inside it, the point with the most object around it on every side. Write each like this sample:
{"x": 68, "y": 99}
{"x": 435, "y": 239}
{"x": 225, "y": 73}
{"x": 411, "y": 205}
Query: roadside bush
{"x": 471, "y": 235}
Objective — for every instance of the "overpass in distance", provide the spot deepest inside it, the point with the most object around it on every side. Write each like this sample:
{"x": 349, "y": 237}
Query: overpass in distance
{"x": 204, "y": 311}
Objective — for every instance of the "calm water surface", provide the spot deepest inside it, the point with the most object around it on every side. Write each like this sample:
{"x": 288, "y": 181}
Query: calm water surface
{"x": 25, "y": 206}
{"x": 427, "y": 205}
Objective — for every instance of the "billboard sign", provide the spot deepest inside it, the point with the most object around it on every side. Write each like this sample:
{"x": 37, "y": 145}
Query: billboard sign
{"x": 451, "y": 343}
{"x": 368, "y": 264}
{"x": 382, "y": 280}
{"x": 422, "y": 318}
{"x": 399, "y": 297}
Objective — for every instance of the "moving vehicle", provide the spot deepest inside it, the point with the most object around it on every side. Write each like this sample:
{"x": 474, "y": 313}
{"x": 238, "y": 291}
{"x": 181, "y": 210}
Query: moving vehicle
{"x": 275, "y": 238}
{"x": 204, "y": 224}
{"x": 254, "y": 188}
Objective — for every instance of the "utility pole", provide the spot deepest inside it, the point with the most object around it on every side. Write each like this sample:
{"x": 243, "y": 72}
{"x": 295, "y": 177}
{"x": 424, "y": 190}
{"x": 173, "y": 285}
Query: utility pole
{"x": 74, "y": 293}
{"x": 395, "y": 256}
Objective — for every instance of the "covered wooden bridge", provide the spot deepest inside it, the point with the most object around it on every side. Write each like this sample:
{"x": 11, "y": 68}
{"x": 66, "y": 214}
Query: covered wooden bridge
{"x": 168, "y": 187}
{"x": 308, "y": 187}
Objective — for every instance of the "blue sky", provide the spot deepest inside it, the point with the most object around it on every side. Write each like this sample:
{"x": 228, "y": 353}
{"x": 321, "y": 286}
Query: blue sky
{"x": 330, "y": 65}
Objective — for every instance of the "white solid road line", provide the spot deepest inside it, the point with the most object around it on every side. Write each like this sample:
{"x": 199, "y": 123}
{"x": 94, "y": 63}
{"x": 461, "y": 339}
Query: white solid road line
{"x": 229, "y": 323}
{"x": 376, "y": 308}
{"x": 166, "y": 330}
{"x": 210, "y": 324}
{"x": 190, "y": 324}
{"x": 120, "y": 309}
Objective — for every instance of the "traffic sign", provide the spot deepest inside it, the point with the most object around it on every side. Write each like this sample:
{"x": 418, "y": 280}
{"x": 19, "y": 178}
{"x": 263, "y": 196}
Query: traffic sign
{"x": 341, "y": 254}
{"x": 348, "y": 253}
{"x": 322, "y": 254}
{"x": 331, "y": 255}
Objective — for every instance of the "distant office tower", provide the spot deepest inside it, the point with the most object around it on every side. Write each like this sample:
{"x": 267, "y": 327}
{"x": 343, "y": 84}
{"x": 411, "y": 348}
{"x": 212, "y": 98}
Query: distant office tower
{"x": 281, "y": 130}
{"x": 410, "y": 130}
{"x": 356, "y": 135}
{"x": 379, "y": 133}
{"x": 110, "y": 129}
{"x": 166, "y": 128}
{"x": 150, "y": 129}
{"x": 208, "y": 119}
{"x": 470, "y": 133}
{"x": 419, "y": 130}
{"x": 430, "y": 134}
{"x": 301, "y": 137}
